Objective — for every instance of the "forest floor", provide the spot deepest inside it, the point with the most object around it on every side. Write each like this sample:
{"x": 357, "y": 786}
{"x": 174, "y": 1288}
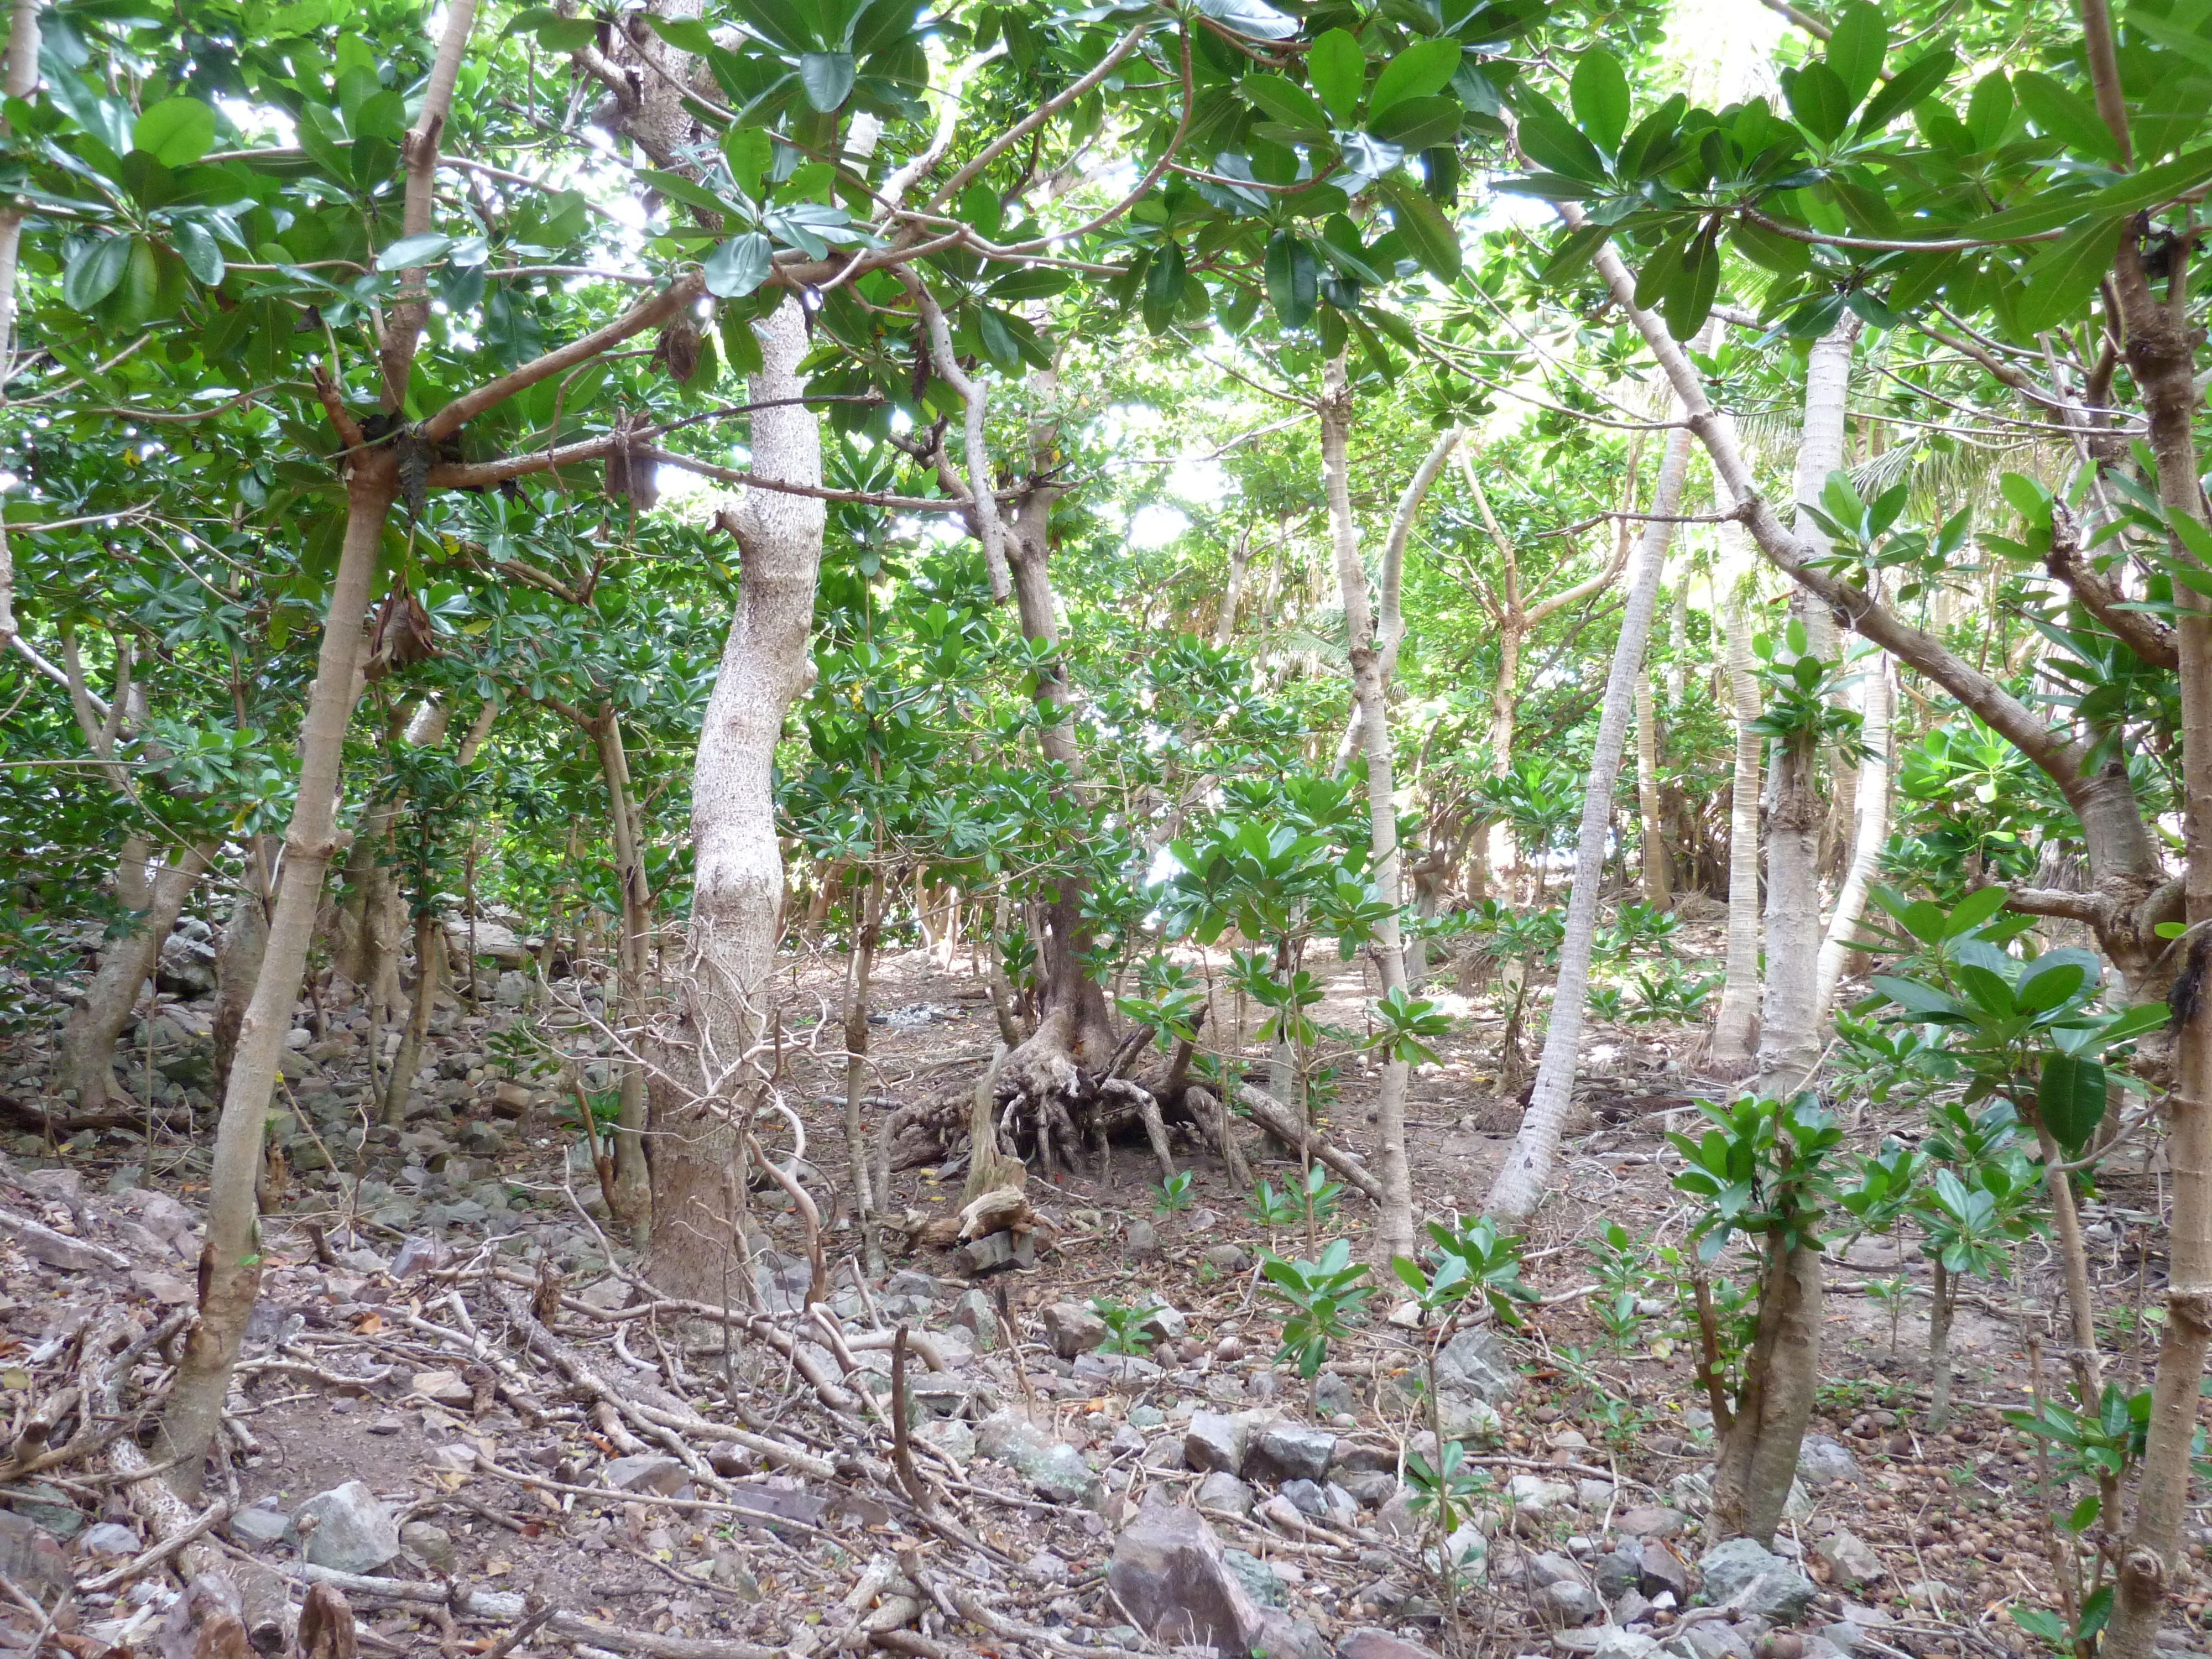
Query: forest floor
{"x": 613, "y": 1473}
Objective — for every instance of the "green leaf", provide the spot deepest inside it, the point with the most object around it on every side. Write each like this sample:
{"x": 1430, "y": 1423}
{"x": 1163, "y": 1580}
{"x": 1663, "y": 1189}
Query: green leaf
{"x": 739, "y": 266}
{"x": 94, "y": 271}
{"x": 1286, "y": 101}
{"x": 1690, "y": 295}
{"x": 1293, "y": 275}
{"x": 1430, "y": 237}
{"x": 1422, "y": 71}
{"x": 2044, "y": 988}
{"x": 1820, "y": 102}
{"x": 1163, "y": 289}
{"x": 411, "y": 251}
{"x": 1556, "y": 144}
{"x": 1599, "y": 93}
{"x": 684, "y": 33}
{"x": 197, "y": 249}
{"x": 1337, "y": 70}
{"x": 1252, "y": 18}
{"x": 1971, "y": 911}
{"x": 1908, "y": 87}
{"x": 176, "y": 132}
{"x": 2071, "y": 1097}
{"x": 1420, "y": 122}
{"x": 827, "y": 77}
{"x": 677, "y": 188}
{"x": 2061, "y": 279}
{"x": 1988, "y": 109}
{"x": 1856, "y": 49}
{"x": 1914, "y": 997}
{"x": 2064, "y": 114}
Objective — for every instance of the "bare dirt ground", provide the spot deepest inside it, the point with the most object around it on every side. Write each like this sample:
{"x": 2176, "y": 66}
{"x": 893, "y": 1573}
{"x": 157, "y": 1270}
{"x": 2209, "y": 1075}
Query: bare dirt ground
{"x": 664, "y": 1474}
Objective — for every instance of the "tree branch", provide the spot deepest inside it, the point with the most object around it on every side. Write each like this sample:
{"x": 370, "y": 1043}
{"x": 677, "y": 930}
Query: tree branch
{"x": 989, "y": 529}
{"x": 2145, "y": 635}
{"x": 2093, "y": 908}
{"x": 1045, "y": 112}
{"x": 403, "y": 327}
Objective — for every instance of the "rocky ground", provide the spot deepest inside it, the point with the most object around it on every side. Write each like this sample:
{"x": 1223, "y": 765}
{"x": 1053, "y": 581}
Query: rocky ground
{"x": 460, "y": 1408}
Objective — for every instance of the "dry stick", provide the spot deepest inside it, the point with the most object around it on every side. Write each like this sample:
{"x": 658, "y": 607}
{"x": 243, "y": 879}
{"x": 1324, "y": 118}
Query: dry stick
{"x": 817, "y": 1289}
{"x": 901, "y": 1443}
{"x": 1269, "y": 1115}
{"x": 216, "y": 1513}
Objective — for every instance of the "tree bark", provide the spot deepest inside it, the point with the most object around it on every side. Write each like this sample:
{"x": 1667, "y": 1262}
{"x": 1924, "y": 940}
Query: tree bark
{"x": 867, "y": 1203}
{"x": 88, "y": 1056}
{"x": 1240, "y": 558}
{"x": 23, "y": 79}
{"x": 1521, "y": 1179}
{"x": 1652, "y": 859}
{"x": 716, "y": 1065}
{"x": 430, "y": 953}
{"x": 238, "y": 958}
{"x": 1393, "y": 1234}
{"x": 633, "y": 1190}
{"x": 1757, "y": 1457}
{"x": 1735, "y": 1026}
{"x": 1870, "y": 835}
{"x": 1789, "y": 1013}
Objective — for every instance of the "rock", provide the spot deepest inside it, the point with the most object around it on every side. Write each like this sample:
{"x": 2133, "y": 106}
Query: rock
{"x": 1052, "y": 1467}
{"x": 1165, "y": 1324}
{"x": 353, "y": 1532}
{"x": 1614, "y": 1642}
{"x": 1288, "y": 1451}
{"x": 1226, "y": 1259}
{"x": 1368, "y": 1643}
{"x": 1260, "y": 1582}
{"x": 259, "y": 1526}
{"x": 30, "y": 1557}
{"x": 1550, "y": 1567}
{"x": 1660, "y": 1571}
{"x": 993, "y": 1251}
{"x": 1849, "y": 1562}
{"x": 108, "y": 1541}
{"x": 647, "y": 1472}
{"x": 1369, "y": 1488}
{"x": 1614, "y": 1572}
{"x": 433, "y": 1546}
{"x": 1534, "y": 1495}
{"x": 1824, "y": 1462}
{"x": 443, "y": 1388}
{"x": 1568, "y": 1601}
{"x": 1217, "y": 1440}
{"x": 1651, "y": 1521}
{"x": 950, "y": 1435}
{"x": 1596, "y": 1496}
{"x": 1632, "y": 1606}
{"x": 1465, "y": 1416}
{"x": 1780, "y": 1597}
{"x": 1045, "y": 1567}
{"x": 1139, "y": 1238}
{"x": 1223, "y": 1491}
{"x": 165, "y": 1217}
{"x": 1115, "y": 1368}
{"x": 1929, "y": 1593}
{"x": 977, "y": 1314}
{"x": 1072, "y": 1328}
{"x": 1842, "y": 1635}
{"x": 1170, "y": 1574}
{"x": 1713, "y": 1639}
{"x": 1478, "y": 1362}
{"x": 1730, "y": 1564}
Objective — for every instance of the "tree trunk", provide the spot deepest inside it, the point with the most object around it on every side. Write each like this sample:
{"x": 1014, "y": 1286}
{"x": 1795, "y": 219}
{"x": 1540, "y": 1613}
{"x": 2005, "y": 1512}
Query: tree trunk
{"x": 1870, "y": 835}
{"x": 632, "y": 1200}
{"x": 1757, "y": 1457}
{"x": 230, "y": 1260}
{"x": 717, "y": 1059}
{"x": 87, "y": 1057}
{"x": 1736, "y": 1027}
{"x": 22, "y": 80}
{"x": 1938, "y": 1350}
{"x": 1652, "y": 863}
{"x": 867, "y": 1203}
{"x": 1789, "y": 1015}
{"x": 1394, "y": 1233}
{"x": 1240, "y": 556}
{"x": 238, "y": 958}
{"x": 429, "y": 952}
{"x": 1519, "y": 1186}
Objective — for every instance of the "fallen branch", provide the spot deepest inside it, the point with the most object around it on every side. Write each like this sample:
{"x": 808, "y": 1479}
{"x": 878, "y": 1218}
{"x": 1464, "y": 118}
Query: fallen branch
{"x": 216, "y": 1514}
{"x": 1280, "y": 1121}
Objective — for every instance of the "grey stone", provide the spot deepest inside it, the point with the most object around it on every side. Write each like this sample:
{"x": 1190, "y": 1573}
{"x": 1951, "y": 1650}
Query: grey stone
{"x": 1712, "y": 1639}
{"x": 1223, "y": 1491}
{"x": 1260, "y": 1580}
{"x": 1849, "y": 1562}
{"x": 1550, "y": 1567}
{"x": 993, "y": 1251}
{"x": 1053, "y": 1468}
{"x": 1534, "y": 1495}
{"x": 1660, "y": 1571}
{"x": 1825, "y": 1461}
{"x": 1615, "y": 1571}
{"x": 1369, "y": 1488}
{"x": 1288, "y": 1451}
{"x": 29, "y": 1555}
{"x": 1308, "y": 1498}
{"x": 1478, "y": 1362}
{"x": 909, "y": 1281}
{"x": 1614, "y": 1642}
{"x": 1468, "y": 1416}
{"x": 647, "y": 1472}
{"x": 1568, "y": 1601}
{"x": 1165, "y": 1324}
{"x": 1072, "y": 1328}
{"x": 1368, "y": 1643}
{"x": 353, "y": 1531}
{"x": 1114, "y": 1369}
{"x": 1630, "y": 1607}
{"x": 1596, "y": 1496}
{"x": 1140, "y": 1238}
{"x": 1732, "y": 1563}
{"x": 977, "y": 1314}
{"x": 1045, "y": 1567}
{"x": 1651, "y": 1521}
{"x": 1170, "y": 1574}
{"x": 107, "y": 1540}
{"x": 1226, "y": 1259}
{"x": 257, "y": 1527}
{"x": 1780, "y": 1597}
{"x": 1842, "y": 1635}
{"x": 950, "y": 1435}
{"x": 433, "y": 1544}
{"x": 1217, "y": 1440}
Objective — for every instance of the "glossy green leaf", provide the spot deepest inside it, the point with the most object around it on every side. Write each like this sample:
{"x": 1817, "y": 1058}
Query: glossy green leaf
{"x": 1252, "y": 18}
{"x": 1820, "y": 102}
{"x": 2062, "y": 278}
{"x": 1907, "y": 88}
{"x": 2063, "y": 113}
{"x": 1337, "y": 70}
{"x": 176, "y": 132}
{"x": 1416, "y": 124}
{"x": 93, "y": 271}
{"x": 827, "y": 77}
{"x": 197, "y": 249}
{"x": 1421, "y": 71}
{"x": 1855, "y": 47}
{"x": 1430, "y": 237}
{"x": 409, "y": 252}
{"x": 738, "y": 266}
{"x": 1287, "y": 101}
{"x": 1598, "y": 94}
{"x": 2069, "y": 1097}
